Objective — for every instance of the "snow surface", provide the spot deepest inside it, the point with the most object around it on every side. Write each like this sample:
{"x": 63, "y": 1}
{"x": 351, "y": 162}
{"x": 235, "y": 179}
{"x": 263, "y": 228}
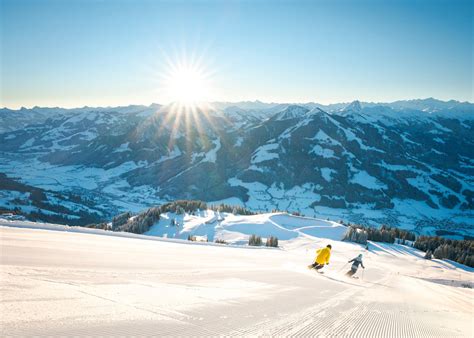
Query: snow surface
{"x": 363, "y": 178}
{"x": 327, "y": 173}
{"x": 263, "y": 153}
{"x": 71, "y": 281}
{"x": 322, "y": 137}
{"x": 323, "y": 152}
{"x": 211, "y": 154}
{"x": 262, "y": 197}
{"x": 123, "y": 147}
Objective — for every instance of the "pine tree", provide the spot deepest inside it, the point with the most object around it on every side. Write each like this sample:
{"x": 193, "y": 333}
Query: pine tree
{"x": 255, "y": 240}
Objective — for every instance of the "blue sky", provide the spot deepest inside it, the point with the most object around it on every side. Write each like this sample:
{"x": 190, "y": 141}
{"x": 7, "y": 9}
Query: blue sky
{"x": 97, "y": 53}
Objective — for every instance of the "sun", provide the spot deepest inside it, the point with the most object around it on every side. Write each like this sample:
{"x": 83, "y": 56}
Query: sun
{"x": 187, "y": 84}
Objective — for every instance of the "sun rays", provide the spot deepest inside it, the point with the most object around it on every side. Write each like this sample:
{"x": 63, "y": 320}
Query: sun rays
{"x": 187, "y": 79}
{"x": 186, "y": 83}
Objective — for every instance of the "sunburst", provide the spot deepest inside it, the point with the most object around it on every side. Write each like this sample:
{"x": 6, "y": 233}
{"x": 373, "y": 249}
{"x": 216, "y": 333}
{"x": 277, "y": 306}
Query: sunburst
{"x": 187, "y": 85}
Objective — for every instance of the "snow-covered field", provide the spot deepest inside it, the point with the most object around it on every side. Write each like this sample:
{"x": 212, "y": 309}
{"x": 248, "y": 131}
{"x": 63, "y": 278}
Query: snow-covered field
{"x": 62, "y": 281}
{"x": 236, "y": 229}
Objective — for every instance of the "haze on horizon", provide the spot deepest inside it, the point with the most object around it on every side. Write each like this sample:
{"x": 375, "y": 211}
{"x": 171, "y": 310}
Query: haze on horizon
{"x": 111, "y": 53}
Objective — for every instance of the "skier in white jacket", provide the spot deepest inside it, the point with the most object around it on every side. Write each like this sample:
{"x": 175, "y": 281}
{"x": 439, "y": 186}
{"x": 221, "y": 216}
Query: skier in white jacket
{"x": 355, "y": 265}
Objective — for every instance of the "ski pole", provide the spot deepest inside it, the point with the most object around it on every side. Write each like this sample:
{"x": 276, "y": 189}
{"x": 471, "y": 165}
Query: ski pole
{"x": 343, "y": 267}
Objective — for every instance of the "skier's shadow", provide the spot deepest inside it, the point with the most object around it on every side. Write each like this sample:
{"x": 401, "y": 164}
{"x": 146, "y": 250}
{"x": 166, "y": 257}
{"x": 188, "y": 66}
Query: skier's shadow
{"x": 342, "y": 281}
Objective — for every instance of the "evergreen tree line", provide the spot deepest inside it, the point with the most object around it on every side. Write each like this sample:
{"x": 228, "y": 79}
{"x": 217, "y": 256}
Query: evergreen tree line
{"x": 356, "y": 235}
{"x": 404, "y": 235}
{"x": 183, "y": 206}
{"x": 272, "y": 241}
{"x": 360, "y": 234}
{"x": 461, "y": 251}
{"x": 255, "y": 240}
{"x": 234, "y": 209}
{"x": 120, "y": 220}
{"x": 81, "y": 217}
{"x": 137, "y": 224}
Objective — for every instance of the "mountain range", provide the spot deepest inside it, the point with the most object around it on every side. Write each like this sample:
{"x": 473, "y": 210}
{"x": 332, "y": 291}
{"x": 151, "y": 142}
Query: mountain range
{"x": 406, "y": 163}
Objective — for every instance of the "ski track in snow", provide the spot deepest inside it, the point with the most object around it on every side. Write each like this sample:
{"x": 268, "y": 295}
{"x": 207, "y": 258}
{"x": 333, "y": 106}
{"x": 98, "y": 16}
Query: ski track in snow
{"x": 342, "y": 317}
{"x": 58, "y": 283}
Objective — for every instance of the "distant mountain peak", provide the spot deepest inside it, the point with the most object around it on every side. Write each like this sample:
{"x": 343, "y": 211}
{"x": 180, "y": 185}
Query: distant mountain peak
{"x": 317, "y": 110}
{"x": 291, "y": 112}
{"x": 354, "y": 106}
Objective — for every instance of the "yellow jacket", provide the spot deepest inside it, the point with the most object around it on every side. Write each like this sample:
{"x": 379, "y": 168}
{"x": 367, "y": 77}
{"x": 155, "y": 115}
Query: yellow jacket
{"x": 322, "y": 255}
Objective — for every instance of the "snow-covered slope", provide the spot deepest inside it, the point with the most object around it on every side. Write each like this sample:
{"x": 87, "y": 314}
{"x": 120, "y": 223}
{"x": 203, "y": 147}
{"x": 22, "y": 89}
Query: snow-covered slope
{"x": 236, "y": 229}
{"x": 83, "y": 283}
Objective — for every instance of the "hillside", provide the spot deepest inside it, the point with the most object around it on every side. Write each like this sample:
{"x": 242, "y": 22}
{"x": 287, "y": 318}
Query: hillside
{"x": 76, "y": 281}
{"x": 235, "y": 229}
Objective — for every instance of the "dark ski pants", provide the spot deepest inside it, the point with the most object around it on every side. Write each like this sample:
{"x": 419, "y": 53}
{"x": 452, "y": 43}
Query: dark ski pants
{"x": 317, "y": 266}
{"x": 352, "y": 271}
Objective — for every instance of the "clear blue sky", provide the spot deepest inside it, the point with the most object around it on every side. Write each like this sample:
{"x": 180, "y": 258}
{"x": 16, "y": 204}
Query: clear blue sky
{"x": 75, "y": 53}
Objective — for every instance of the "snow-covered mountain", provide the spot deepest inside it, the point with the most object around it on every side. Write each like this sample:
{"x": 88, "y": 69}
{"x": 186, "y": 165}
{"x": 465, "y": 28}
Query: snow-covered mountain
{"x": 407, "y": 163}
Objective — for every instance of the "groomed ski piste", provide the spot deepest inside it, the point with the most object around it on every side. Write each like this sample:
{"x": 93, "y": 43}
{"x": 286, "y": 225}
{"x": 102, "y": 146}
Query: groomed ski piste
{"x": 71, "y": 281}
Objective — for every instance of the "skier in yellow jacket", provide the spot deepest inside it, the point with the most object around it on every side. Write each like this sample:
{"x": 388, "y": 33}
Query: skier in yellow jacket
{"x": 322, "y": 257}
